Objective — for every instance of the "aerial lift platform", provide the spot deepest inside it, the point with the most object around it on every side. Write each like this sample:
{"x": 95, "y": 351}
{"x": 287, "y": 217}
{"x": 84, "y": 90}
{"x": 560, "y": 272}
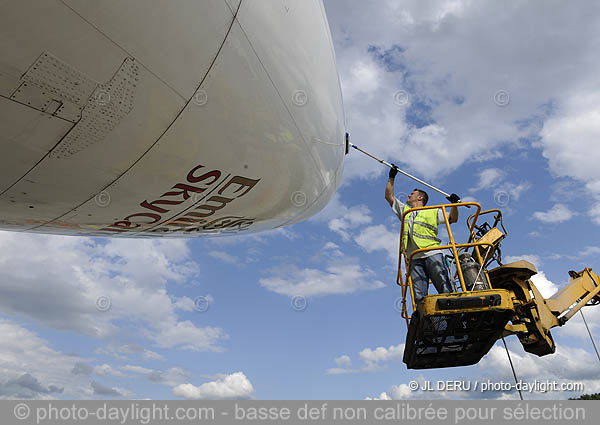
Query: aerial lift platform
{"x": 459, "y": 328}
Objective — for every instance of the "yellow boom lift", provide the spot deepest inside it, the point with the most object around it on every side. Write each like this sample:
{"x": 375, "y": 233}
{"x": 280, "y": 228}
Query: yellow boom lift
{"x": 459, "y": 328}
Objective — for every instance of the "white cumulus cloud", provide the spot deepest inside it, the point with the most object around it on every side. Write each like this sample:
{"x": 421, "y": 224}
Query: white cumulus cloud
{"x": 339, "y": 278}
{"x": 382, "y": 354}
{"x": 488, "y": 177}
{"x": 343, "y": 361}
{"x": 31, "y": 368}
{"x": 557, "y": 214}
{"x": 106, "y": 370}
{"x": 545, "y": 286}
{"x": 97, "y": 282}
{"x": 373, "y": 238}
{"x": 225, "y": 257}
{"x": 382, "y": 396}
{"x": 234, "y": 386}
{"x": 532, "y": 258}
{"x": 373, "y": 359}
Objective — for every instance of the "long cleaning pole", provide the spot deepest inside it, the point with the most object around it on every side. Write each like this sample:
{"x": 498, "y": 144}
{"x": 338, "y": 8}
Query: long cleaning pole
{"x": 399, "y": 170}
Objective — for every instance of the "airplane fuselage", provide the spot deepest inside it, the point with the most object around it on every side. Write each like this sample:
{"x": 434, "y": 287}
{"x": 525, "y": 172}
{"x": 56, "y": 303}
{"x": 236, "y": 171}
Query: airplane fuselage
{"x": 154, "y": 118}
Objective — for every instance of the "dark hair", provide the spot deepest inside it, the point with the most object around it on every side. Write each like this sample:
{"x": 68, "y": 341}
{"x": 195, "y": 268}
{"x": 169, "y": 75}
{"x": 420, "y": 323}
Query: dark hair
{"x": 425, "y": 196}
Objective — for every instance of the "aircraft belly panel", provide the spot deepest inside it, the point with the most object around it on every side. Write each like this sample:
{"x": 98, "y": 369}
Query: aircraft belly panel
{"x": 27, "y": 135}
{"x": 176, "y": 40}
{"x": 30, "y": 27}
{"x": 233, "y": 4}
{"x": 116, "y": 128}
{"x": 238, "y": 147}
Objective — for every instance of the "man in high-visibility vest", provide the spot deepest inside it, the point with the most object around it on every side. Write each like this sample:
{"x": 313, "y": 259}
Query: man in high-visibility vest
{"x": 420, "y": 231}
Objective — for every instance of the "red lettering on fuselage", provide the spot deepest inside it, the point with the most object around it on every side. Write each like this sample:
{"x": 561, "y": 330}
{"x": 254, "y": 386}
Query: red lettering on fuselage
{"x": 236, "y": 187}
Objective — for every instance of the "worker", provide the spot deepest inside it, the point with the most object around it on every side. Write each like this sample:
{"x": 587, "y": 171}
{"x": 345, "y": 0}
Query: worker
{"x": 420, "y": 231}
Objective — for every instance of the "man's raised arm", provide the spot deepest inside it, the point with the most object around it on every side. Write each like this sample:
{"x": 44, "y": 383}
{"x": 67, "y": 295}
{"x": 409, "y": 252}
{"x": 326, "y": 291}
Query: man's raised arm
{"x": 389, "y": 187}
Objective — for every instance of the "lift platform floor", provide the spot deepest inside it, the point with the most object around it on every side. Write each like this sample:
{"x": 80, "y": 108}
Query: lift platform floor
{"x": 456, "y": 329}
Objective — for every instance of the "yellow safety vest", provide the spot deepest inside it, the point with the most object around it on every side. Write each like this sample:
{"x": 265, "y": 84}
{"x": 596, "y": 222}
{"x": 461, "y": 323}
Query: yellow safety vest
{"x": 425, "y": 228}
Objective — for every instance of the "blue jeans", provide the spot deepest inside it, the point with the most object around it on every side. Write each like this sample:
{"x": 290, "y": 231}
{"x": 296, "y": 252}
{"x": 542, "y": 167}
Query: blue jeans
{"x": 423, "y": 269}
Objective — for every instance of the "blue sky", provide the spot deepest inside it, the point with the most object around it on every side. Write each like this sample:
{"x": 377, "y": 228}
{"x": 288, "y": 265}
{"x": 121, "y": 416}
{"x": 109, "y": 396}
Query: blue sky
{"x": 498, "y": 104}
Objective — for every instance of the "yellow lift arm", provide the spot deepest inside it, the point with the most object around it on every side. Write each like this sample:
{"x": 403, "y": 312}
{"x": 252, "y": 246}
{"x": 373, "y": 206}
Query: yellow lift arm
{"x": 536, "y": 315}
